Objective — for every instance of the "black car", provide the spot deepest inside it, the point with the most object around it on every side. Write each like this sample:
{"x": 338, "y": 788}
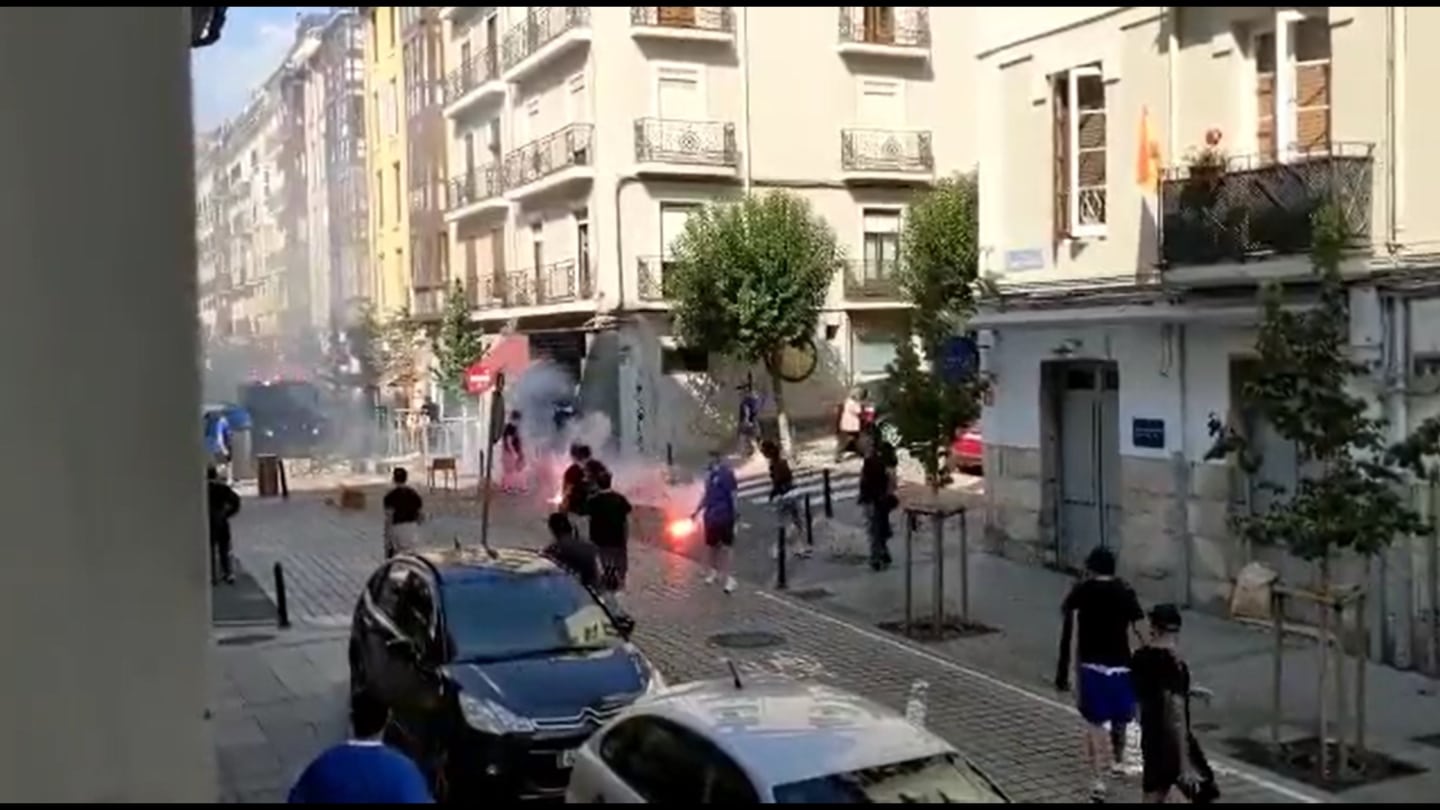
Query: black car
{"x": 496, "y": 665}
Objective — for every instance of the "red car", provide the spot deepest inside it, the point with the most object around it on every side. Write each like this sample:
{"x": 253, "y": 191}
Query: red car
{"x": 967, "y": 451}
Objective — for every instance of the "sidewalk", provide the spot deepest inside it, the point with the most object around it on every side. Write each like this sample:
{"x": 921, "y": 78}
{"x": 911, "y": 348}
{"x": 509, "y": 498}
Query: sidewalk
{"x": 1025, "y": 739}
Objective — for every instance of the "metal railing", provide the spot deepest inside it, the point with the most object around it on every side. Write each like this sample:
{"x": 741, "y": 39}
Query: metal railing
{"x": 904, "y": 27}
{"x": 1250, "y": 208}
{"x": 538, "y": 29}
{"x": 561, "y": 282}
{"x": 519, "y": 289}
{"x": 651, "y": 278}
{"x": 481, "y": 184}
{"x": 561, "y": 149}
{"x": 477, "y": 70}
{"x": 871, "y": 279}
{"x": 702, "y": 18}
{"x": 695, "y": 143}
{"x": 870, "y": 150}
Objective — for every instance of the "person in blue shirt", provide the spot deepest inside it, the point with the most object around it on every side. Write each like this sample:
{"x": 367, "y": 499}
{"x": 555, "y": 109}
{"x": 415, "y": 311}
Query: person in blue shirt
{"x": 217, "y": 441}
{"x": 748, "y": 425}
{"x": 363, "y": 770}
{"x": 717, "y": 505}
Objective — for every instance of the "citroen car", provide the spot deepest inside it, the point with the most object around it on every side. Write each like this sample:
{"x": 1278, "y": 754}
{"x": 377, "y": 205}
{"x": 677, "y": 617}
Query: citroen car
{"x": 771, "y": 740}
{"x": 496, "y": 665}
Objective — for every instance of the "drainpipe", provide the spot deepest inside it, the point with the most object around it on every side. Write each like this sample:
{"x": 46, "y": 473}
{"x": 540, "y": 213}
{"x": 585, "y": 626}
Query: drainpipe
{"x": 1183, "y": 505}
{"x": 745, "y": 94}
{"x": 1172, "y": 48}
{"x": 620, "y": 185}
{"x": 1395, "y": 36}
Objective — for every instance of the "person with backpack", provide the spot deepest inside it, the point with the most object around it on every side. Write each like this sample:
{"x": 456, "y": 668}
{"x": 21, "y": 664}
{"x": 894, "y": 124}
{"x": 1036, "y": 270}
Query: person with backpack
{"x": 1172, "y": 756}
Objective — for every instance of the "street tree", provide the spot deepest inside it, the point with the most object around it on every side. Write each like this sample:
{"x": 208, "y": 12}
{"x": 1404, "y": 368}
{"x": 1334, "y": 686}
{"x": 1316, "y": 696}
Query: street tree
{"x": 457, "y": 343}
{"x": 749, "y": 279}
{"x": 1349, "y": 496}
{"x": 939, "y": 276}
{"x": 384, "y": 348}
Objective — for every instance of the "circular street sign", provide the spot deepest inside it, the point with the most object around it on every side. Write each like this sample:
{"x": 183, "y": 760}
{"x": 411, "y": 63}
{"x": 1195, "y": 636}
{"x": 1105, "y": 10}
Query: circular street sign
{"x": 797, "y": 362}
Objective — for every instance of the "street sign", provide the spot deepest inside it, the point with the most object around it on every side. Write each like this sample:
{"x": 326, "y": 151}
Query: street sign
{"x": 479, "y": 378}
{"x": 959, "y": 359}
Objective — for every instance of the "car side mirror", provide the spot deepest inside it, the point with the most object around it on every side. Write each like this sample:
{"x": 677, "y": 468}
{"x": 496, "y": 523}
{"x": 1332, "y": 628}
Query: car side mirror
{"x": 626, "y": 626}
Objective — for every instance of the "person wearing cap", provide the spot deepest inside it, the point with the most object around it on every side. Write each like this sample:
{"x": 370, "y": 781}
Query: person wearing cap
{"x": 1101, "y": 615}
{"x": 1161, "y": 680}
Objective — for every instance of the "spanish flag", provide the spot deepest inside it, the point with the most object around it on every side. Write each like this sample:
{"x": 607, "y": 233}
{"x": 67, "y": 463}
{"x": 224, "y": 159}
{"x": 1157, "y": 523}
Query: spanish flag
{"x": 1147, "y": 157}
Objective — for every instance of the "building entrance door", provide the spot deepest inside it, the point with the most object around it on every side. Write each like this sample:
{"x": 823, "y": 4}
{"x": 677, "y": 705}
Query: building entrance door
{"x": 1089, "y": 428}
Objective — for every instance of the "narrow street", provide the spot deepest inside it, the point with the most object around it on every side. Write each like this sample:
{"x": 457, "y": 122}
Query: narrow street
{"x": 280, "y": 696}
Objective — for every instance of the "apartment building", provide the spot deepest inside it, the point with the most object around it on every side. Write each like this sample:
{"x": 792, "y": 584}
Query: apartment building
{"x": 1143, "y": 169}
{"x": 583, "y": 137}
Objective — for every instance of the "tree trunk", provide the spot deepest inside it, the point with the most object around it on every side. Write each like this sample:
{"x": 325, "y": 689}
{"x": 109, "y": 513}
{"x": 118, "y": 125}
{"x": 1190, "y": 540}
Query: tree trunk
{"x": 1322, "y": 732}
{"x": 782, "y": 418}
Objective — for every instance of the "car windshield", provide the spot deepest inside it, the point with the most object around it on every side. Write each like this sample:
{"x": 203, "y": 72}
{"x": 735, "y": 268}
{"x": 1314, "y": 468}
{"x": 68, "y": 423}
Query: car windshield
{"x": 502, "y": 617}
{"x": 942, "y": 779}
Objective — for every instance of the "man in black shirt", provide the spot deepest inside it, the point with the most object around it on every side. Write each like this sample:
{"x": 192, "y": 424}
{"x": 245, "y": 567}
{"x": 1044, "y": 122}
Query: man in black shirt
{"x": 570, "y": 552}
{"x": 1162, "y": 689}
{"x": 575, "y": 487}
{"x": 223, "y": 504}
{"x": 1101, "y": 615}
{"x": 404, "y": 510}
{"x": 610, "y": 532}
{"x": 877, "y": 497}
{"x": 782, "y": 495}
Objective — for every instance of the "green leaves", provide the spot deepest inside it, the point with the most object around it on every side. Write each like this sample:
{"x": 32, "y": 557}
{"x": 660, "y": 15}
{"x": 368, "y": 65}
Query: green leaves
{"x": 457, "y": 342}
{"x": 750, "y": 277}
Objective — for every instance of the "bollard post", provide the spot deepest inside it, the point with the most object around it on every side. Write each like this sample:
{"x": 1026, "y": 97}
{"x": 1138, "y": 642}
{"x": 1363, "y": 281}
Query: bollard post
{"x": 669, "y": 455}
{"x": 938, "y": 529}
{"x": 829, "y": 504}
{"x": 809, "y": 524}
{"x": 284, "y": 479}
{"x": 909, "y": 570}
{"x": 964, "y": 568}
{"x": 781, "y": 581}
{"x": 282, "y": 604}
{"x": 480, "y": 476}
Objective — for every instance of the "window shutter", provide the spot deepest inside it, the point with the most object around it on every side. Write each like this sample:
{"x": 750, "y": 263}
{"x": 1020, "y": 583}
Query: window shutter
{"x": 1312, "y": 86}
{"x": 682, "y": 16}
{"x": 1060, "y": 104}
{"x": 1265, "y": 97}
{"x": 880, "y": 24}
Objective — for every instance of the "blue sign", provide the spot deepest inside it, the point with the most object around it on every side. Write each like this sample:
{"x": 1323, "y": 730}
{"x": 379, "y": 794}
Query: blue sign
{"x": 1021, "y": 260}
{"x": 1148, "y": 433}
{"x": 959, "y": 359}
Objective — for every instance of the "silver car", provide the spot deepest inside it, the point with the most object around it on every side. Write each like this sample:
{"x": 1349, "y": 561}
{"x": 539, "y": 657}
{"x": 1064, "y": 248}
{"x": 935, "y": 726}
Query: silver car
{"x": 770, "y": 740}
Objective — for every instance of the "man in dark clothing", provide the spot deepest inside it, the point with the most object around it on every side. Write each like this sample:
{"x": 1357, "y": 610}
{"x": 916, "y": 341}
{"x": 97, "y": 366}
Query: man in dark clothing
{"x": 610, "y": 533}
{"x": 1101, "y": 614}
{"x": 570, "y": 552}
{"x": 782, "y": 495}
{"x": 224, "y": 503}
{"x": 1172, "y": 757}
{"x": 575, "y": 486}
{"x": 404, "y": 510}
{"x": 877, "y": 497}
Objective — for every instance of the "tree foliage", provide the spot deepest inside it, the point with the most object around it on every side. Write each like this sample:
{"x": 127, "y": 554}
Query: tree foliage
{"x": 1349, "y": 494}
{"x": 457, "y": 342}
{"x": 749, "y": 278}
{"x": 939, "y": 274}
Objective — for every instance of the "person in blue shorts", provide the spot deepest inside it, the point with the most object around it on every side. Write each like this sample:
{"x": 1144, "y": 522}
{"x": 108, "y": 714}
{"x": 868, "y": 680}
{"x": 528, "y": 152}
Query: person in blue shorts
{"x": 363, "y": 770}
{"x": 1102, "y": 615}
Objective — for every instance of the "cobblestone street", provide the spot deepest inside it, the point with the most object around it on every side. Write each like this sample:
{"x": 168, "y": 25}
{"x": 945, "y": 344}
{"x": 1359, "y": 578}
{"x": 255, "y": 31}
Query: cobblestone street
{"x": 1027, "y": 741}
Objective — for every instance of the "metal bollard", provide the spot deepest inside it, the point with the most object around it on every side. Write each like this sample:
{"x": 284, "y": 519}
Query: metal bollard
{"x": 781, "y": 580}
{"x": 829, "y": 503}
{"x": 809, "y": 524}
{"x": 669, "y": 454}
{"x": 909, "y": 571}
{"x": 480, "y": 478}
{"x": 284, "y": 479}
{"x": 282, "y": 604}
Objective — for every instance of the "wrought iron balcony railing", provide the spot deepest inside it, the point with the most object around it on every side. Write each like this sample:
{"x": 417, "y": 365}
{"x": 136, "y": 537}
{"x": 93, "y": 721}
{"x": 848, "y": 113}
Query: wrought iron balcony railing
{"x": 477, "y": 70}
{"x": 651, "y": 278}
{"x": 879, "y": 150}
{"x": 538, "y": 29}
{"x": 703, "y": 18}
{"x": 519, "y": 288}
{"x": 883, "y": 25}
{"x": 872, "y": 280}
{"x": 483, "y": 183}
{"x": 562, "y": 282}
{"x": 695, "y": 143}
{"x": 561, "y": 149}
{"x": 1251, "y": 209}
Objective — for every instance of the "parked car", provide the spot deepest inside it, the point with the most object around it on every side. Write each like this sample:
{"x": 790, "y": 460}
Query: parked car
{"x": 496, "y": 665}
{"x": 967, "y": 451}
{"x": 770, "y": 740}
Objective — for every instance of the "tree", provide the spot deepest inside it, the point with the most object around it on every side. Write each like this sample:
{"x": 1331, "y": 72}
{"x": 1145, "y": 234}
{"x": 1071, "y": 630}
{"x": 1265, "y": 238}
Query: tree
{"x": 457, "y": 342}
{"x": 939, "y": 275}
{"x": 1348, "y": 498}
{"x": 749, "y": 279}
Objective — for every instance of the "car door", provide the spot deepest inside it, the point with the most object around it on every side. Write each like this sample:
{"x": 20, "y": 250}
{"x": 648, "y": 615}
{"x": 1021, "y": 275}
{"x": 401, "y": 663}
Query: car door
{"x": 651, "y": 760}
{"x": 377, "y": 630}
{"x": 411, "y": 667}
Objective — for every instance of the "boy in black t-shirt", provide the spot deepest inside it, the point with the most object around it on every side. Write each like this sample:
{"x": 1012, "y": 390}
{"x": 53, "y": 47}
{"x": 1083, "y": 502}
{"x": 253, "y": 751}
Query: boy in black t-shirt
{"x": 404, "y": 510}
{"x": 575, "y": 487}
{"x": 610, "y": 532}
{"x": 1162, "y": 689}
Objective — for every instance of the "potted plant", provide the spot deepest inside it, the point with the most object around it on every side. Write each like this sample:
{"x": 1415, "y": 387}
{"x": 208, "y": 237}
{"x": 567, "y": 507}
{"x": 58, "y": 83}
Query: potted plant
{"x": 1206, "y": 167}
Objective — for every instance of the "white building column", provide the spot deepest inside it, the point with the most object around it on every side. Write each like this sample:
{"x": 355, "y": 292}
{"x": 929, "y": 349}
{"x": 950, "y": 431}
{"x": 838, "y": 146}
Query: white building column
{"x": 103, "y": 588}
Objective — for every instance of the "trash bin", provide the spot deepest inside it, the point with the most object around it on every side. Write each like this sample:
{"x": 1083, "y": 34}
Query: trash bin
{"x": 267, "y": 468}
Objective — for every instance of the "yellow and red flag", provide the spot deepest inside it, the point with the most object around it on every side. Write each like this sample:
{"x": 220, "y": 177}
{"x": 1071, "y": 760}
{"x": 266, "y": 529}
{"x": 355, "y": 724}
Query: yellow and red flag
{"x": 1147, "y": 158}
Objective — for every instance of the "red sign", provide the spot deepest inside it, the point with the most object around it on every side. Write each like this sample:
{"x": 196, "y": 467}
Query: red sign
{"x": 479, "y": 378}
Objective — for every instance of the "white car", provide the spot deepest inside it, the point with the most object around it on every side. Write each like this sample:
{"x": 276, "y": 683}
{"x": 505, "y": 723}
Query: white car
{"x": 770, "y": 740}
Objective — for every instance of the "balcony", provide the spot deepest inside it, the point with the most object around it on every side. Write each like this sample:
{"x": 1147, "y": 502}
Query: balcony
{"x": 650, "y": 277}
{"x": 427, "y": 304}
{"x": 545, "y": 33}
{"x": 558, "y": 283}
{"x": 686, "y": 23}
{"x": 884, "y": 31}
{"x": 886, "y": 156}
{"x": 694, "y": 148}
{"x": 1251, "y": 210}
{"x": 492, "y": 291}
{"x": 476, "y": 192}
{"x": 872, "y": 280}
{"x": 562, "y": 157}
{"x": 475, "y": 80}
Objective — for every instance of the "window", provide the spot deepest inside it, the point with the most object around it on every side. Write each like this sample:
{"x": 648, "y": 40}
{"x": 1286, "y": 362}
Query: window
{"x": 1080, "y": 153}
{"x": 501, "y": 617}
{"x": 678, "y": 93}
{"x": 392, "y": 121}
{"x": 395, "y": 171}
{"x": 537, "y": 245}
{"x": 379, "y": 198}
{"x": 942, "y": 779}
{"x": 879, "y": 24}
{"x": 576, "y": 100}
{"x": 882, "y": 103}
{"x": 666, "y": 764}
{"x": 881, "y": 243}
{"x": 1292, "y": 88}
{"x": 394, "y": 24}
{"x": 582, "y": 242}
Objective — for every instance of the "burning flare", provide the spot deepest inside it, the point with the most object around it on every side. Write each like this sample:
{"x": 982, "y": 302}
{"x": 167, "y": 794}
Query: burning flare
{"x": 681, "y": 527}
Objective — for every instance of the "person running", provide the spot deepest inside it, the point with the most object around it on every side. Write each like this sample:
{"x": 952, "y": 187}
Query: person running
{"x": 512, "y": 456}
{"x": 363, "y": 770}
{"x": 404, "y": 511}
{"x": 849, "y": 425}
{"x": 748, "y": 425}
{"x": 610, "y": 533}
{"x": 1101, "y": 615}
{"x": 1171, "y": 754}
{"x": 717, "y": 505}
{"x": 570, "y": 552}
{"x": 217, "y": 442}
{"x": 877, "y": 498}
{"x": 575, "y": 488}
{"x": 782, "y": 495}
{"x": 224, "y": 503}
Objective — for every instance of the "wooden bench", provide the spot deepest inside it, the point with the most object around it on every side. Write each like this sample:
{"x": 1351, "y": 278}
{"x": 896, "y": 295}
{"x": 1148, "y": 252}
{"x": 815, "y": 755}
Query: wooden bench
{"x": 446, "y": 469}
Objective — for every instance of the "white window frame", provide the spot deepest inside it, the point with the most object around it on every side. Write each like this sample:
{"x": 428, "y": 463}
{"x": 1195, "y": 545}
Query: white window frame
{"x": 663, "y": 70}
{"x": 898, "y": 211}
{"x": 662, "y": 205}
{"x": 1286, "y": 112}
{"x": 1072, "y": 89}
{"x": 574, "y": 116}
